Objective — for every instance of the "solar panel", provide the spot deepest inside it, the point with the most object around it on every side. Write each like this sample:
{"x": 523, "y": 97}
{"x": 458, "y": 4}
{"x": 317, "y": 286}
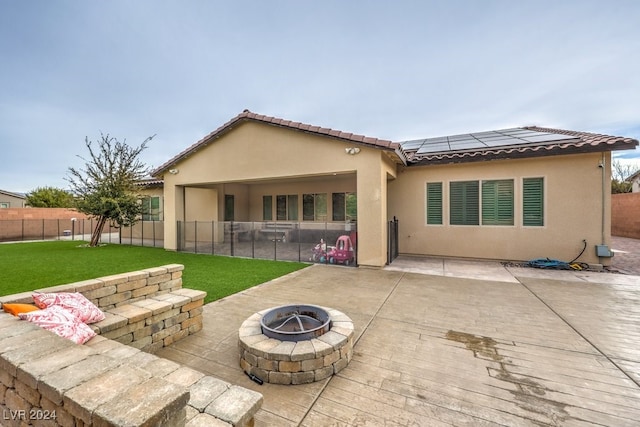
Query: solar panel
{"x": 480, "y": 140}
{"x": 548, "y": 137}
{"x": 465, "y": 140}
{"x": 463, "y": 145}
{"x": 408, "y": 145}
{"x": 433, "y": 148}
{"x": 460, "y": 137}
{"x": 438, "y": 139}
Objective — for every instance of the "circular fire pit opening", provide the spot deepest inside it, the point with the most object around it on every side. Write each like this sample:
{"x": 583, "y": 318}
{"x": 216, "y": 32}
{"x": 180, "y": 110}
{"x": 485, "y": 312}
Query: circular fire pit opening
{"x": 295, "y": 322}
{"x": 295, "y": 344}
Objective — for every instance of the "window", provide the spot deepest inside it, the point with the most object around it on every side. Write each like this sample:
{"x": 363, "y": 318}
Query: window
{"x": 434, "y": 203}
{"x": 314, "y": 207}
{"x": 151, "y": 208}
{"x": 229, "y": 207}
{"x": 464, "y": 203}
{"x": 267, "y": 208}
{"x": 287, "y": 207}
{"x": 345, "y": 206}
{"x": 533, "y": 202}
{"x": 4, "y": 205}
{"x": 292, "y": 207}
{"x": 497, "y": 202}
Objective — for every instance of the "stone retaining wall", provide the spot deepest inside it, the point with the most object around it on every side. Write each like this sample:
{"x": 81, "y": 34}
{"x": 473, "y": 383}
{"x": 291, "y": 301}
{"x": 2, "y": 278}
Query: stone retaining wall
{"x": 146, "y": 309}
{"x": 46, "y": 380}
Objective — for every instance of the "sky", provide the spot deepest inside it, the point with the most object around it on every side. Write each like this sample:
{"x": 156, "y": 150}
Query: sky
{"x": 397, "y": 70}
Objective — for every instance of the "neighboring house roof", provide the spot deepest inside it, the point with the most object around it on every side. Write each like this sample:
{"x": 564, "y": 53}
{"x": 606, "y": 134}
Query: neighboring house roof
{"x": 635, "y": 176}
{"x": 247, "y": 115}
{"x": 530, "y": 141}
{"x": 18, "y": 195}
{"x": 149, "y": 182}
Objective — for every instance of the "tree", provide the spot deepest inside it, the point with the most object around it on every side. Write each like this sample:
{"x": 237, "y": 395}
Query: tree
{"x": 619, "y": 175}
{"x": 105, "y": 188}
{"x": 49, "y": 197}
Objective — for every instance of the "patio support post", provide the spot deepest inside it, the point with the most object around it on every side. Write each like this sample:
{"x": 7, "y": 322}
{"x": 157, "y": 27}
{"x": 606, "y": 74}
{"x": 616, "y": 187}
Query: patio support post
{"x": 174, "y": 213}
{"x": 372, "y": 215}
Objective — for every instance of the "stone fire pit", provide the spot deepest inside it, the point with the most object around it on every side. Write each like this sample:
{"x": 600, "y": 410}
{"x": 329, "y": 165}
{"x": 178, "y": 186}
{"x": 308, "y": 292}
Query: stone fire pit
{"x": 295, "y": 344}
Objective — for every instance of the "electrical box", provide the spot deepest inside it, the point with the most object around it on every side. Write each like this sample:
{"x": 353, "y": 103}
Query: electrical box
{"x": 603, "y": 251}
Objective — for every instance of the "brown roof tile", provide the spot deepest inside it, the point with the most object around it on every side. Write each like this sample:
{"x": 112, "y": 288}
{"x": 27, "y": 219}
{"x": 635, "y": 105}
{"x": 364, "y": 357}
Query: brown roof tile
{"x": 593, "y": 139}
{"x": 149, "y": 182}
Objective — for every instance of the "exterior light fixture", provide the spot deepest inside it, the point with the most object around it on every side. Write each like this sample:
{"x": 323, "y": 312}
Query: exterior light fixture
{"x": 174, "y": 171}
{"x": 352, "y": 150}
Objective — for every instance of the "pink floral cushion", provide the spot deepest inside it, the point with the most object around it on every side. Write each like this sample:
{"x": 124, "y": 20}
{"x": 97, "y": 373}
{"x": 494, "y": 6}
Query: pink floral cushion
{"x": 61, "y": 322}
{"x": 75, "y": 302}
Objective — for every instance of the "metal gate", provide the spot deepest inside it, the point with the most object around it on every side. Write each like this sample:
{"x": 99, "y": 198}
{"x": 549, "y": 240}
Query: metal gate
{"x": 392, "y": 242}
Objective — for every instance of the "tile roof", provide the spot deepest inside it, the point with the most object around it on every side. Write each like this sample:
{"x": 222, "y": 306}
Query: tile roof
{"x": 529, "y": 141}
{"x": 12, "y": 194}
{"x": 247, "y": 115}
{"x": 149, "y": 182}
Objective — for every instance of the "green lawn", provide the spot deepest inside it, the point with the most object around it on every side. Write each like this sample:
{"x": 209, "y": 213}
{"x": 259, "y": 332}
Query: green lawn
{"x": 29, "y": 266}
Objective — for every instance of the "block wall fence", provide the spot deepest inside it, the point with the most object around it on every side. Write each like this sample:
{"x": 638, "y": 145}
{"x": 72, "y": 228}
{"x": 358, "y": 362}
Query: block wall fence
{"x": 625, "y": 215}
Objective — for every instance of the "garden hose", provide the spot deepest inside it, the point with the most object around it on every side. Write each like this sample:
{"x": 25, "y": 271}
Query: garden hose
{"x": 561, "y": 265}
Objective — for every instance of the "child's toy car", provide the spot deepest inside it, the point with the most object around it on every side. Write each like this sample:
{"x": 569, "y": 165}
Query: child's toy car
{"x": 342, "y": 252}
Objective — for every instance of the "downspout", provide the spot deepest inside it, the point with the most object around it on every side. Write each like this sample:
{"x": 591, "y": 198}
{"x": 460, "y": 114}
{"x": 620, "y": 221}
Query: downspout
{"x": 603, "y": 169}
{"x": 602, "y": 250}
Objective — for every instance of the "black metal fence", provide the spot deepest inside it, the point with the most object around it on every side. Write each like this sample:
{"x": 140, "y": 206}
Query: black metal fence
{"x": 143, "y": 233}
{"x": 392, "y": 244}
{"x": 330, "y": 242}
{"x": 291, "y": 241}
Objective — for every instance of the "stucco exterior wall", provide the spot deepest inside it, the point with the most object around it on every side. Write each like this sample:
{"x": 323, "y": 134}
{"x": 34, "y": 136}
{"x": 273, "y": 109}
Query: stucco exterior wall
{"x": 573, "y": 210}
{"x": 12, "y": 201}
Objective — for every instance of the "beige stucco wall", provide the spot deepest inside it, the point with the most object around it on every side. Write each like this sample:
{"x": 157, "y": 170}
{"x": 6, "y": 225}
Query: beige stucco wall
{"x": 255, "y": 159}
{"x": 573, "y": 210}
{"x": 14, "y": 202}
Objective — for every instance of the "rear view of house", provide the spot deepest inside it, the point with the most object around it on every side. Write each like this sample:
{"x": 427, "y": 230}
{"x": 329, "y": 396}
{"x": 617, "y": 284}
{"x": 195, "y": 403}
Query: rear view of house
{"x": 511, "y": 194}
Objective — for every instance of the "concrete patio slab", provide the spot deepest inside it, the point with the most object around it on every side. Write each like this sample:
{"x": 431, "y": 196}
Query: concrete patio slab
{"x": 440, "y": 349}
